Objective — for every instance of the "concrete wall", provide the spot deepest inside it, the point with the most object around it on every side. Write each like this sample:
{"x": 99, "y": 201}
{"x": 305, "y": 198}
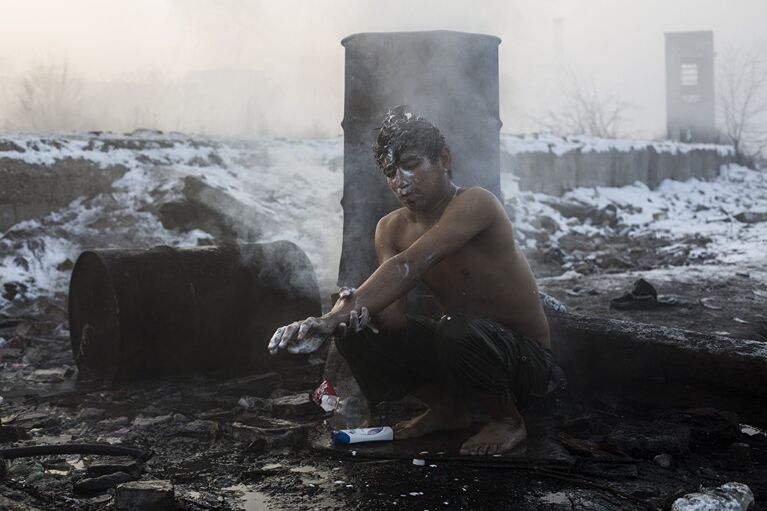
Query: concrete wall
{"x": 555, "y": 173}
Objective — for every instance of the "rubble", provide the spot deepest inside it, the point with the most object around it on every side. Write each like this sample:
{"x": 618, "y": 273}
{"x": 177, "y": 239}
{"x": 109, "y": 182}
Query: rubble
{"x": 210, "y": 434}
{"x": 730, "y": 496}
{"x": 648, "y": 439}
{"x": 98, "y": 484}
{"x": 147, "y": 495}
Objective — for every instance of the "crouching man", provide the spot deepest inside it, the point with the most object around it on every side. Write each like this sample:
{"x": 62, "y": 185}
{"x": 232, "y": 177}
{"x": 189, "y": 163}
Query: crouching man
{"x": 491, "y": 347}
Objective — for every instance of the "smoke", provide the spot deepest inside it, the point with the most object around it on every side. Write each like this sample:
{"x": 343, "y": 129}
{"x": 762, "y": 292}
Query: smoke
{"x": 275, "y": 68}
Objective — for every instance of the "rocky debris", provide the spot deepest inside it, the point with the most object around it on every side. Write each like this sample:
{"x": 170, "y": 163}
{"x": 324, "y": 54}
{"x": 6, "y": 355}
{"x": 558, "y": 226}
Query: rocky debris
{"x": 709, "y": 427}
{"x": 295, "y": 406}
{"x": 276, "y": 433}
{"x": 148, "y": 495}
{"x": 15, "y": 505}
{"x": 751, "y": 217}
{"x": 12, "y": 433}
{"x": 93, "y": 485}
{"x": 739, "y": 457}
{"x": 663, "y": 460}
{"x": 259, "y": 385}
{"x": 645, "y": 439}
{"x": 203, "y": 429}
{"x": 730, "y": 497}
{"x": 105, "y": 465}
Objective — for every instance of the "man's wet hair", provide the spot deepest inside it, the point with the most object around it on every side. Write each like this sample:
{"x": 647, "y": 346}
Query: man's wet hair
{"x": 402, "y": 130}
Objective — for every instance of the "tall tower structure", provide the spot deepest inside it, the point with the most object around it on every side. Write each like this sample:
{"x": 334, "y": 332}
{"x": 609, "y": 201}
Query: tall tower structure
{"x": 690, "y": 86}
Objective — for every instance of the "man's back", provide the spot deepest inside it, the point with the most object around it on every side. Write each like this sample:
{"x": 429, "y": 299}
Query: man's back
{"x": 488, "y": 276}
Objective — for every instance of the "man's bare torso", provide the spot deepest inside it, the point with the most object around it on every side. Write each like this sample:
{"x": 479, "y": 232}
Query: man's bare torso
{"x": 487, "y": 277}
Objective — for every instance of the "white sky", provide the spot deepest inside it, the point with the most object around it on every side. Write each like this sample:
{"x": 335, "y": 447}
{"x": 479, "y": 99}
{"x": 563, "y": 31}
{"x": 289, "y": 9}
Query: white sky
{"x": 293, "y": 47}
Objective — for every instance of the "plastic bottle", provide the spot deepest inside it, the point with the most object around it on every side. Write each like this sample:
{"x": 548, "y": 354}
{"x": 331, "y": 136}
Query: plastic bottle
{"x": 353, "y": 436}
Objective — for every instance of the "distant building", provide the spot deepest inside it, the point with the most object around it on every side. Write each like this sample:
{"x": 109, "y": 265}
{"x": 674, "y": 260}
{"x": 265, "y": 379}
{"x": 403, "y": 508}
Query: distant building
{"x": 690, "y": 86}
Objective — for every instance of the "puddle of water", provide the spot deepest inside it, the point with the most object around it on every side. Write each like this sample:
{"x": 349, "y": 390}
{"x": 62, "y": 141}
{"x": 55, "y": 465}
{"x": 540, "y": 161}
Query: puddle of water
{"x": 252, "y": 500}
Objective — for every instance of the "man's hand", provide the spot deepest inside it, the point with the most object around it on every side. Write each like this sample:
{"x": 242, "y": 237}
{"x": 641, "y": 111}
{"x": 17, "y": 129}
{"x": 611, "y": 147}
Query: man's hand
{"x": 308, "y": 335}
{"x": 302, "y": 336}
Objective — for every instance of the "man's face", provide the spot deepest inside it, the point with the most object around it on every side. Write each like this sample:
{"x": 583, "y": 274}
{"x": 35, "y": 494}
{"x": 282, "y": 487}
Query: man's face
{"x": 414, "y": 179}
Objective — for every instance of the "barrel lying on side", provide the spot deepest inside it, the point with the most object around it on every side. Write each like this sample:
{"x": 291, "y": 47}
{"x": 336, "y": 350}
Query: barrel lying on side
{"x": 140, "y": 313}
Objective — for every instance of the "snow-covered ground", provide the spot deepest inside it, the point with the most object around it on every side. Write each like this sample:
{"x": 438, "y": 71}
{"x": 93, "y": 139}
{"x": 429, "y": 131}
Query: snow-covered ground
{"x": 675, "y": 211}
{"x": 297, "y": 186}
{"x": 545, "y": 142}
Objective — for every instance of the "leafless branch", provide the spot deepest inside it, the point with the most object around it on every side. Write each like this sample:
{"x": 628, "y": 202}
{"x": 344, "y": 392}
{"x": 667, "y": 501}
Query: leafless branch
{"x": 742, "y": 100}
{"x": 585, "y": 111}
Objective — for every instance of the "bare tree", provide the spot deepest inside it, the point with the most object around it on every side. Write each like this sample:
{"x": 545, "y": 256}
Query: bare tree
{"x": 49, "y": 98}
{"x": 585, "y": 111}
{"x": 742, "y": 101}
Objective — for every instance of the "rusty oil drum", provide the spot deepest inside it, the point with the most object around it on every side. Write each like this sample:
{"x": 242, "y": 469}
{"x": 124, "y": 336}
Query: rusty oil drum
{"x": 146, "y": 313}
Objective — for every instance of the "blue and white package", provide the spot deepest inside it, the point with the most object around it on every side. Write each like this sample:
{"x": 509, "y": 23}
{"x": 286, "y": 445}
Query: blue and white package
{"x": 353, "y": 436}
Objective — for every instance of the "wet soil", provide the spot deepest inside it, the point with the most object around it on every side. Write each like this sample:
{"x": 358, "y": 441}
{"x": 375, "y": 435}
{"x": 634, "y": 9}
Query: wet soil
{"x": 187, "y": 423}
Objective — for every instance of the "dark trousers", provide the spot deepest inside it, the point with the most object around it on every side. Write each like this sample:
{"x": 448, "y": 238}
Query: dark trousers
{"x": 460, "y": 354}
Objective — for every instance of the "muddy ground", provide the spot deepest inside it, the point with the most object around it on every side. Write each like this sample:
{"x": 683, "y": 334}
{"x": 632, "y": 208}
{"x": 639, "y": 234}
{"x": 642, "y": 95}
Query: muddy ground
{"x": 213, "y": 452}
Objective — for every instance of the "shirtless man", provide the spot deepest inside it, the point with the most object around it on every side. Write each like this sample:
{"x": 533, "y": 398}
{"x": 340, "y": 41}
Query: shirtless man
{"x": 491, "y": 349}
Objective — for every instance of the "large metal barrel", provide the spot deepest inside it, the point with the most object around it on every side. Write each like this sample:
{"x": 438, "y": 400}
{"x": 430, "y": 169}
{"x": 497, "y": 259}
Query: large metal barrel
{"x": 448, "y": 77}
{"x": 150, "y": 313}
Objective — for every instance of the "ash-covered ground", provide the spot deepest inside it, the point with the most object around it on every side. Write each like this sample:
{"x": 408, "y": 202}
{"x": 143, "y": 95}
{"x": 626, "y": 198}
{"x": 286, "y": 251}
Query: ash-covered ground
{"x": 701, "y": 243}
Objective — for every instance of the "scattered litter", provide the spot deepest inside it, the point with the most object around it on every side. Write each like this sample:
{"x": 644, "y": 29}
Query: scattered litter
{"x": 741, "y": 321}
{"x": 432, "y": 466}
{"x": 760, "y": 294}
{"x": 642, "y": 296}
{"x": 415, "y": 493}
{"x": 419, "y": 462}
{"x": 325, "y": 396}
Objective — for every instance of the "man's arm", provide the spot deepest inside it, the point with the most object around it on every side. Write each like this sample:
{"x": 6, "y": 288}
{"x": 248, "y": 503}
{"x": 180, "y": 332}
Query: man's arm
{"x": 392, "y": 317}
{"x": 467, "y": 215}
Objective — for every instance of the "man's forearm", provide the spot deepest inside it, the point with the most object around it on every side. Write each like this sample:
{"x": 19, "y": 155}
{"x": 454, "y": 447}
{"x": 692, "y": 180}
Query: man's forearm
{"x": 392, "y": 280}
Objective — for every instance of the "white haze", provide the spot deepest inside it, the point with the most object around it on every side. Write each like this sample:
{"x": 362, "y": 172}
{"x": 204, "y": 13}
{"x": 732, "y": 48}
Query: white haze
{"x": 275, "y": 68}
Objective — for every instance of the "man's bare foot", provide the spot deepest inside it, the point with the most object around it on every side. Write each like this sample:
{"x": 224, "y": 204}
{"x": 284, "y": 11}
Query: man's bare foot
{"x": 497, "y": 436}
{"x": 433, "y": 419}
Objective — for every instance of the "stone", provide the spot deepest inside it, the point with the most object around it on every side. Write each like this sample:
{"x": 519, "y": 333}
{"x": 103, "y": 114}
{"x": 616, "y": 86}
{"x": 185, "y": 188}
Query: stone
{"x": 152, "y": 495}
{"x": 200, "y": 429}
{"x": 104, "y": 465}
{"x": 731, "y": 496}
{"x": 15, "y": 505}
{"x": 93, "y": 485}
{"x": 739, "y": 457}
{"x": 277, "y": 435}
{"x": 646, "y": 439}
{"x": 10, "y": 433}
{"x": 142, "y": 422}
{"x": 295, "y": 405}
{"x": 751, "y": 217}
{"x": 663, "y": 460}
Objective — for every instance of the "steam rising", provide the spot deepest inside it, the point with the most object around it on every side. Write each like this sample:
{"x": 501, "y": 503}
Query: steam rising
{"x": 275, "y": 68}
